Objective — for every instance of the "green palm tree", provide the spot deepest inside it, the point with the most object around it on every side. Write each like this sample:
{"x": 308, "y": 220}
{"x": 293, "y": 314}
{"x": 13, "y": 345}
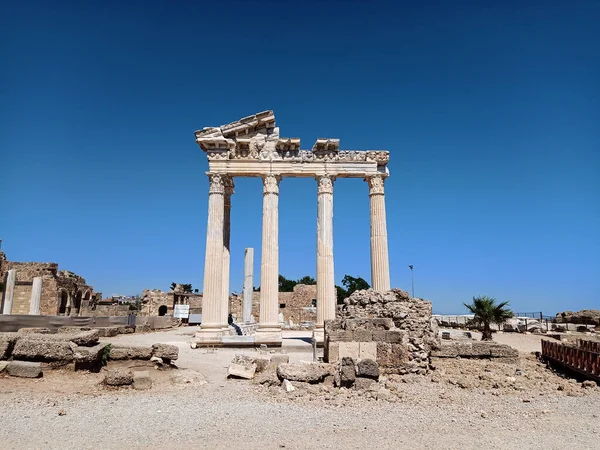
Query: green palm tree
{"x": 486, "y": 312}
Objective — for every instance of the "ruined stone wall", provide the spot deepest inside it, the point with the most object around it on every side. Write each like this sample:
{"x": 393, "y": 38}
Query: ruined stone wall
{"x": 392, "y": 328}
{"x": 106, "y": 310}
{"x": 296, "y": 305}
{"x": 53, "y": 282}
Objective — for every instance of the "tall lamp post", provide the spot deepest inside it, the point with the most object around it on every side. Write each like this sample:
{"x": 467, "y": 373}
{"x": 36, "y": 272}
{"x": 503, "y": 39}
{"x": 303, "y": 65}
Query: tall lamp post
{"x": 412, "y": 279}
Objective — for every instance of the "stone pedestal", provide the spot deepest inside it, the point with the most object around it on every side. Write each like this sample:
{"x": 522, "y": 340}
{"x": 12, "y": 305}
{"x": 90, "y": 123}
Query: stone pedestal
{"x": 380, "y": 264}
{"x": 248, "y": 284}
{"x": 325, "y": 273}
{"x": 36, "y": 296}
{"x": 269, "y": 327}
{"x": 212, "y": 300}
{"x": 9, "y": 291}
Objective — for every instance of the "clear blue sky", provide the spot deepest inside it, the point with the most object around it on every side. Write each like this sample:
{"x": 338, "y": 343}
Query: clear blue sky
{"x": 491, "y": 113}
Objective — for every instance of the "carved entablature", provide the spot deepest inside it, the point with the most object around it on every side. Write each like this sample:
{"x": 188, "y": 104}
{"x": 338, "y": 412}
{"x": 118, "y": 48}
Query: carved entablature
{"x": 256, "y": 138}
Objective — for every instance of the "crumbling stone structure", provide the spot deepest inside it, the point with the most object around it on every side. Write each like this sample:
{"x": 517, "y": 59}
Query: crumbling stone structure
{"x": 391, "y": 328}
{"x": 295, "y": 307}
{"x": 158, "y": 303}
{"x": 40, "y": 288}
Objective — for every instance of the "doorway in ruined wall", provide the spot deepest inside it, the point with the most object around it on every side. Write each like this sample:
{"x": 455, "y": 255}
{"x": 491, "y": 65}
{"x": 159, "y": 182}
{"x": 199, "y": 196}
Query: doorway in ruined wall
{"x": 162, "y": 310}
{"x": 77, "y": 304}
{"x": 62, "y": 307}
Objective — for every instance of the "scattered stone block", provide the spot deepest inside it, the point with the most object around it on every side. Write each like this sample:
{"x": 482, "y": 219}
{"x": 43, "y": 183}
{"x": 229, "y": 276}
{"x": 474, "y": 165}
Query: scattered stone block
{"x": 368, "y": 368}
{"x": 347, "y": 372}
{"x": 331, "y": 352}
{"x": 118, "y": 377}
{"x": 89, "y": 358}
{"x": 86, "y": 338}
{"x": 165, "y": 351}
{"x": 287, "y": 386}
{"x": 589, "y": 384}
{"x": 307, "y": 373}
{"x": 24, "y": 369}
{"x": 242, "y": 367}
{"x": 35, "y": 349}
{"x": 118, "y": 352}
{"x": 34, "y": 330}
{"x": 107, "y": 331}
{"x": 480, "y": 349}
{"x": 3, "y": 365}
{"x": 142, "y": 328}
{"x": 142, "y": 380}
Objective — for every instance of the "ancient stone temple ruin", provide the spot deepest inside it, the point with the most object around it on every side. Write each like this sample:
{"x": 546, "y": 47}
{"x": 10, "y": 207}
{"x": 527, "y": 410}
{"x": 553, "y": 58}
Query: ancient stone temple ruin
{"x": 253, "y": 147}
{"x": 39, "y": 288}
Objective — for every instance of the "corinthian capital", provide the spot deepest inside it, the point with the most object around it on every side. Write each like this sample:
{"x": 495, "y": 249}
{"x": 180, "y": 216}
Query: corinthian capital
{"x": 216, "y": 184}
{"x": 271, "y": 184}
{"x": 325, "y": 184}
{"x": 376, "y": 184}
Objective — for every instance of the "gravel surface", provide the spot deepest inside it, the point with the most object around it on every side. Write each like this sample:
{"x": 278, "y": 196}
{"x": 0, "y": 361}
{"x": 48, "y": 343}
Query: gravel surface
{"x": 73, "y": 411}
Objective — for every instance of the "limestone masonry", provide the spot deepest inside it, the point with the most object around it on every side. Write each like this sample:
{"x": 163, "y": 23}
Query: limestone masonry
{"x": 253, "y": 147}
{"x": 40, "y": 288}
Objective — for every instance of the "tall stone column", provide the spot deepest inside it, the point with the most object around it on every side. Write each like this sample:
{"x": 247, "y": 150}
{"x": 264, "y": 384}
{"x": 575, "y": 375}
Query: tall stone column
{"x": 228, "y": 191}
{"x": 269, "y": 328}
{"x": 325, "y": 274}
{"x": 248, "y": 284}
{"x": 36, "y": 296}
{"x": 9, "y": 291}
{"x": 212, "y": 298}
{"x": 380, "y": 263}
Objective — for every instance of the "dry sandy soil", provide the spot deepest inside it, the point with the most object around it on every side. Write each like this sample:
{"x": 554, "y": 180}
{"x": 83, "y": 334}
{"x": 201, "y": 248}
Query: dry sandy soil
{"x": 462, "y": 404}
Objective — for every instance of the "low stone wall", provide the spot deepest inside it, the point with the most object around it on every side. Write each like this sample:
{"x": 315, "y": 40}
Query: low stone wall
{"x": 475, "y": 349}
{"x": 14, "y": 322}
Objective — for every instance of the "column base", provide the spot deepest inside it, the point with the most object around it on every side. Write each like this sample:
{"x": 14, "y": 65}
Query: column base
{"x": 209, "y": 336}
{"x": 319, "y": 335}
{"x": 270, "y": 336}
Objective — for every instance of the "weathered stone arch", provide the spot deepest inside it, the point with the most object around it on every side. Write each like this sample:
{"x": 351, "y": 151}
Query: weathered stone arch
{"x": 63, "y": 302}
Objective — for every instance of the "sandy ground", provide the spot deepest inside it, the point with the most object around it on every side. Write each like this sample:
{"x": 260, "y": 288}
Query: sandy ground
{"x": 463, "y": 404}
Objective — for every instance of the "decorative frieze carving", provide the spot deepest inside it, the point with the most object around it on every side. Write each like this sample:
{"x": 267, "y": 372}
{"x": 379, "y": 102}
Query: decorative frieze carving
{"x": 376, "y": 184}
{"x": 325, "y": 184}
{"x": 271, "y": 184}
{"x": 257, "y": 138}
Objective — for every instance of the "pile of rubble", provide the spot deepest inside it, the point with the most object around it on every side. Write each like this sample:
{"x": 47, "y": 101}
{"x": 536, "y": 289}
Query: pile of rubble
{"x": 391, "y": 328}
{"x": 30, "y": 351}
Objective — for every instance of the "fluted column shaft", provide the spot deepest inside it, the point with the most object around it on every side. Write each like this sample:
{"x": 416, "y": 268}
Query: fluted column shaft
{"x": 9, "y": 291}
{"x": 213, "y": 262}
{"x": 228, "y": 185}
{"x": 325, "y": 271}
{"x": 380, "y": 264}
{"x": 248, "y": 284}
{"x": 269, "y": 267}
{"x": 36, "y": 296}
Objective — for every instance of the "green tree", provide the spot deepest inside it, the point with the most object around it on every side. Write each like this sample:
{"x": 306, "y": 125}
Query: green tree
{"x": 173, "y": 284}
{"x": 351, "y": 284}
{"x": 307, "y": 280}
{"x": 486, "y": 312}
{"x": 286, "y": 285}
{"x": 187, "y": 287}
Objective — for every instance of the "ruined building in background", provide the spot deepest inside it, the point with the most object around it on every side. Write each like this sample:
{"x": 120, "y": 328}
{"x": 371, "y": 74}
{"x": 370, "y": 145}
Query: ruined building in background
{"x": 158, "y": 303}
{"x": 40, "y": 288}
{"x": 391, "y": 328}
{"x": 295, "y": 307}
